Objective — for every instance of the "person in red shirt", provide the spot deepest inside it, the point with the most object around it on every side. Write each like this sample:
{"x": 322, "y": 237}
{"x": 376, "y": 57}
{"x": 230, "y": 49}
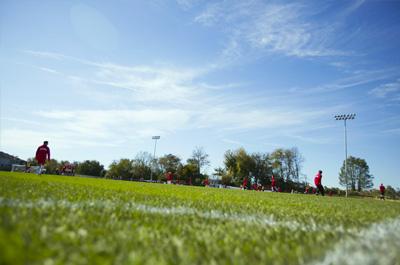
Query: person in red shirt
{"x": 206, "y": 182}
{"x": 273, "y": 183}
{"x": 169, "y": 178}
{"x": 42, "y": 155}
{"x": 244, "y": 185}
{"x": 318, "y": 183}
{"x": 382, "y": 189}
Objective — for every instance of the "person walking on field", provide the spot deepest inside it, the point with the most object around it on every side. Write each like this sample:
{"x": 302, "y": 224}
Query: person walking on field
{"x": 170, "y": 178}
{"x": 382, "y": 190}
{"x": 42, "y": 155}
{"x": 244, "y": 184}
{"x": 318, "y": 183}
{"x": 273, "y": 183}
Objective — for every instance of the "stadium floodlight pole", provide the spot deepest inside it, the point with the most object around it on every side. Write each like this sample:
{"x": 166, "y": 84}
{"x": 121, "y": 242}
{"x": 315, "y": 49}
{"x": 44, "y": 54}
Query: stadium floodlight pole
{"x": 344, "y": 118}
{"x": 154, "y": 155}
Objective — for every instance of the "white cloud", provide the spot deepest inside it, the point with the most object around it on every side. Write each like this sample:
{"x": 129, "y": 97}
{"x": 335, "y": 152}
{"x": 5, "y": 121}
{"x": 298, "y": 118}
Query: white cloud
{"x": 48, "y": 55}
{"x": 284, "y": 28}
{"x": 107, "y": 123}
{"x": 187, "y": 4}
{"x": 165, "y": 100}
{"x": 395, "y": 131}
{"x": 150, "y": 83}
{"x": 356, "y": 79}
{"x": 49, "y": 70}
{"x": 391, "y": 90}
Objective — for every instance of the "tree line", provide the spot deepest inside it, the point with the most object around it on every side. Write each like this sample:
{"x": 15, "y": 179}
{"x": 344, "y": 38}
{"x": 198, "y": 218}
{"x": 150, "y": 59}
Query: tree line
{"x": 285, "y": 164}
{"x": 87, "y": 167}
{"x": 144, "y": 167}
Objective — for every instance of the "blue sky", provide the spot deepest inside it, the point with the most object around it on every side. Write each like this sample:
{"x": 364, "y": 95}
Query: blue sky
{"x": 99, "y": 78}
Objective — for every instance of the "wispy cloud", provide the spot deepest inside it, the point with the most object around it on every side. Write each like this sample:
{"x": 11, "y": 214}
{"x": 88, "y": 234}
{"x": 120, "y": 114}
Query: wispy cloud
{"x": 163, "y": 96}
{"x": 49, "y": 55}
{"x": 230, "y": 141}
{"x": 391, "y": 90}
{"x": 283, "y": 28}
{"x": 49, "y": 70}
{"x": 356, "y": 79}
{"x": 395, "y": 131}
{"x": 110, "y": 123}
{"x": 187, "y": 4}
{"x": 158, "y": 83}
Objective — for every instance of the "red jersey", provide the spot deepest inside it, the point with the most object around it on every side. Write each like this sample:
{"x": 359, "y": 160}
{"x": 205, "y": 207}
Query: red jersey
{"x": 169, "y": 176}
{"x": 382, "y": 188}
{"x": 42, "y": 154}
{"x": 273, "y": 181}
{"x": 244, "y": 182}
{"x": 317, "y": 179}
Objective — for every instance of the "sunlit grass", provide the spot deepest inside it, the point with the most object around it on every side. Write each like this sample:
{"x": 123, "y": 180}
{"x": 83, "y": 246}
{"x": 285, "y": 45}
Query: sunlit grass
{"x": 71, "y": 220}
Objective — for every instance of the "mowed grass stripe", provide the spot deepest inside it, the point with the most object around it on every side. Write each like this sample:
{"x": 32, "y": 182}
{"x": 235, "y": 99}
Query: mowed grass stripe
{"x": 111, "y": 206}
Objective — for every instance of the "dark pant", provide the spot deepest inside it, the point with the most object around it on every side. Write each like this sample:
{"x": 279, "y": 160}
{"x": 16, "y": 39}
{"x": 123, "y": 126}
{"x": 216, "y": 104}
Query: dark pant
{"x": 321, "y": 189}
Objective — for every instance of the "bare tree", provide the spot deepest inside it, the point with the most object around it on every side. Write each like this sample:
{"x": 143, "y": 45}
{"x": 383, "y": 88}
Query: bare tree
{"x": 199, "y": 158}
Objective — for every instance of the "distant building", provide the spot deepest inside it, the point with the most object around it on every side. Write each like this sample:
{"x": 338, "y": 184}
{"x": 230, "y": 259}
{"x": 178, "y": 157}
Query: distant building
{"x": 7, "y": 160}
{"x": 214, "y": 181}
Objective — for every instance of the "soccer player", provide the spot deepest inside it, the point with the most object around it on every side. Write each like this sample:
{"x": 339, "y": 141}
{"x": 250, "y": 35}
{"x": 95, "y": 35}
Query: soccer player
{"x": 206, "y": 182}
{"x": 169, "y": 178}
{"x": 253, "y": 183}
{"x": 244, "y": 185}
{"x": 42, "y": 154}
{"x": 382, "y": 189}
{"x": 318, "y": 183}
{"x": 273, "y": 183}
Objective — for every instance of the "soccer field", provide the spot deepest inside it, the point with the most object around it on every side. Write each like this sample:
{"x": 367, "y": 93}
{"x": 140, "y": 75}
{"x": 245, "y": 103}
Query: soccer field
{"x": 71, "y": 220}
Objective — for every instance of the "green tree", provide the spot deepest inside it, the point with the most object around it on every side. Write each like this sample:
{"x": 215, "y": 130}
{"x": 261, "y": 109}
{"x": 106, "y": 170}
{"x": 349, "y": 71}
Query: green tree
{"x": 188, "y": 173}
{"x": 287, "y": 164}
{"x": 358, "y": 176}
{"x": 230, "y": 163}
{"x": 391, "y": 192}
{"x": 239, "y": 164}
{"x": 219, "y": 171}
{"x": 51, "y": 166}
{"x": 32, "y": 161}
{"x": 262, "y": 167}
{"x": 278, "y": 163}
{"x": 226, "y": 179}
{"x": 169, "y": 163}
{"x": 121, "y": 169}
{"x": 297, "y": 164}
{"x": 90, "y": 168}
{"x": 141, "y": 165}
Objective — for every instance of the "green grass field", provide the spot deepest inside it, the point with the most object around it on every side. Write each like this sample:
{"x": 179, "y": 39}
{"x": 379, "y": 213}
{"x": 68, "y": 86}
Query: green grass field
{"x": 71, "y": 220}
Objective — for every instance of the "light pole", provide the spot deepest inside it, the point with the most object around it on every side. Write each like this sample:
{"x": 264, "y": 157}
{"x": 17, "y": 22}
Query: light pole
{"x": 344, "y": 118}
{"x": 155, "y": 138}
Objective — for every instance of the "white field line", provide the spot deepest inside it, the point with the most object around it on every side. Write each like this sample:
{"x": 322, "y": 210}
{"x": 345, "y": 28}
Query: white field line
{"x": 378, "y": 244}
{"x": 259, "y": 219}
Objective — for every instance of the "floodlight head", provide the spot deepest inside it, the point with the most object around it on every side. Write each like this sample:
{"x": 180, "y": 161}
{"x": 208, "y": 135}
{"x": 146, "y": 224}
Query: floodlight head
{"x": 155, "y": 137}
{"x": 345, "y": 116}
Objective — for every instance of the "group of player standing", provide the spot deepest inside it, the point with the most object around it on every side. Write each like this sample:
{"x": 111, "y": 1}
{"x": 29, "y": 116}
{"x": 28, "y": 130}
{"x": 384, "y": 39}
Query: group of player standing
{"x": 255, "y": 185}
